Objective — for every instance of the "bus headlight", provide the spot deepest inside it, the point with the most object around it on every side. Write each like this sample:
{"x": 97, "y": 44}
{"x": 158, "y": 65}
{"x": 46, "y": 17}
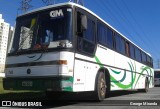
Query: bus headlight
{"x": 62, "y": 62}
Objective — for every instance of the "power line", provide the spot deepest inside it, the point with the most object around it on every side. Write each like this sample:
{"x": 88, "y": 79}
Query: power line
{"x": 145, "y": 40}
{"x": 121, "y": 19}
{"x": 115, "y": 19}
{"x": 127, "y": 21}
{"x": 144, "y": 34}
{"x": 81, "y": 2}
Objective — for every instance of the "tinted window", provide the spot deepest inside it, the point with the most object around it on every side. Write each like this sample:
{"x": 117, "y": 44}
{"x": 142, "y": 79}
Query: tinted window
{"x": 79, "y": 28}
{"x": 120, "y": 44}
{"x": 105, "y": 35}
{"x": 110, "y": 38}
{"x": 144, "y": 58}
{"x": 148, "y": 61}
{"x": 127, "y": 49}
{"x": 138, "y": 54}
{"x": 102, "y": 34}
{"x": 89, "y": 32}
{"x": 132, "y": 51}
{"x": 123, "y": 46}
{"x": 151, "y": 62}
{"x": 118, "y": 39}
{"x": 86, "y": 37}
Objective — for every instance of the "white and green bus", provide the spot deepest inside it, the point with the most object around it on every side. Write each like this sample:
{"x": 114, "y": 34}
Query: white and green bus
{"x": 67, "y": 48}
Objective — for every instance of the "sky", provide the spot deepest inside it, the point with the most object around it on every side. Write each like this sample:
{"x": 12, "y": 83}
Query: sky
{"x": 138, "y": 20}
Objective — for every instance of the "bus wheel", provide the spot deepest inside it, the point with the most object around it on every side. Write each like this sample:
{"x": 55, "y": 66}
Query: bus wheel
{"x": 100, "y": 91}
{"x": 146, "y": 86}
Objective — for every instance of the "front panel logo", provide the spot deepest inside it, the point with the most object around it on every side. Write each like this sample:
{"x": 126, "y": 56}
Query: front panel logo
{"x": 56, "y": 13}
{"x": 6, "y": 103}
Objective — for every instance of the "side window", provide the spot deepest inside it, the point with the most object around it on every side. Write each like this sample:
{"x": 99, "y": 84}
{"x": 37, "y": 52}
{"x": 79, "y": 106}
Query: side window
{"x": 128, "y": 49}
{"x": 148, "y": 61}
{"x": 90, "y": 31}
{"x": 102, "y": 34}
{"x": 151, "y": 62}
{"x": 79, "y": 28}
{"x": 105, "y": 35}
{"x": 117, "y": 39}
{"x": 86, "y": 37}
{"x": 132, "y": 51}
{"x": 144, "y": 58}
{"x": 123, "y": 45}
{"x": 120, "y": 44}
{"x": 138, "y": 54}
{"x": 110, "y": 38}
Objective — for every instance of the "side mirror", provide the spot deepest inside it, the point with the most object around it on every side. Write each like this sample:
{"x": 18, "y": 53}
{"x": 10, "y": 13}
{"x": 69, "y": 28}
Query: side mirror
{"x": 84, "y": 22}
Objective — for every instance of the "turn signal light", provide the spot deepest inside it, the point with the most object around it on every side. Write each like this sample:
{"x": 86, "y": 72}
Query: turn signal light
{"x": 62, "y": 62}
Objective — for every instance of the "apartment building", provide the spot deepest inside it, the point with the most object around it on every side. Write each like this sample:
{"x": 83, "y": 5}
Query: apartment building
{"x": 4, "y": 33}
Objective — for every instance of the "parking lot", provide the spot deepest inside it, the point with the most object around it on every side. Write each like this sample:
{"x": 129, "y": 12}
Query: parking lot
{"x": 118, "y": 99}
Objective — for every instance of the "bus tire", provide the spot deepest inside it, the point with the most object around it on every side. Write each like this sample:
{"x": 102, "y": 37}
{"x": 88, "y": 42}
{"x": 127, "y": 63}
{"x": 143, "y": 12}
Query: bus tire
{"x": 146, "y": 86}
{"x": 100, "y": 91}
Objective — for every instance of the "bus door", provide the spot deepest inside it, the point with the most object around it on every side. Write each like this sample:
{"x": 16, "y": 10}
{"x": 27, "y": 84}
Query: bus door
{"x": 86, "y": 47}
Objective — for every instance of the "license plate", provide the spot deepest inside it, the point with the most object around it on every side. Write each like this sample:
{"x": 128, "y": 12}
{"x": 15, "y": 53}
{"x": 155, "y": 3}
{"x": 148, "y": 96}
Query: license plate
{"x": 27, "y": 83}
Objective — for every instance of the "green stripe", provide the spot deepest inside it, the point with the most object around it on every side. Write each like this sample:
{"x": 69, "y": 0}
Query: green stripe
{"x": 98, "y": 61}
{"x": 120, "y": 85}
{"x": 144, "y": 69}
{"x": 112, "y": 78}
{"x": 124, "y": 77}
{"x": 133, "y": 74}
{"x": 68, "y": 89}
{"x": 116, "y": 72}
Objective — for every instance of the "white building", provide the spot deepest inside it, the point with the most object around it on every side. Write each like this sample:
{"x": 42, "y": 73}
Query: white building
{"x": 10, "y": 38}
{"x": 4, "y": 32}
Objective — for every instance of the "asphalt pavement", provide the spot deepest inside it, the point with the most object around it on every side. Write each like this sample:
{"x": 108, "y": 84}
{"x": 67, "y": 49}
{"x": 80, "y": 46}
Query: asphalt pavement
{"x": 114, "y": 100}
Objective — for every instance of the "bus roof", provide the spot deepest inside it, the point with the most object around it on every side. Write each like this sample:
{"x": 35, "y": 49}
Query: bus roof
{"x": 82, "y": 7}
{"x": 156, "y": 69}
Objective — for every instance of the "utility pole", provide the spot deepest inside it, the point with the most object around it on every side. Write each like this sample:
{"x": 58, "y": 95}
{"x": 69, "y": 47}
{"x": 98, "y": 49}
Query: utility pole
{"x": 48, "y": 2}
{"x": 81, "y": 2}
{"x": 25, "y": 6}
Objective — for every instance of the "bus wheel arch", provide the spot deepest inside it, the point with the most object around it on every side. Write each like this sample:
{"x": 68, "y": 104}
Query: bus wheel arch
{"x": 108, "y": 82}
{"x": 102, "y": 84}
{"x": 146, "y": 86}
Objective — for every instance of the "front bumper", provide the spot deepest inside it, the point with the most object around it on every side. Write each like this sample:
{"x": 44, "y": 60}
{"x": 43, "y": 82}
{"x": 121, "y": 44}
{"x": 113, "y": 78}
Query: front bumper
{"x": 59, "y": 83}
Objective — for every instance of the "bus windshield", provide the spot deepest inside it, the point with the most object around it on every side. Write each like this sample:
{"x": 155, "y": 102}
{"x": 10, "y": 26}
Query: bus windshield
{"x": 49, "y": 29}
